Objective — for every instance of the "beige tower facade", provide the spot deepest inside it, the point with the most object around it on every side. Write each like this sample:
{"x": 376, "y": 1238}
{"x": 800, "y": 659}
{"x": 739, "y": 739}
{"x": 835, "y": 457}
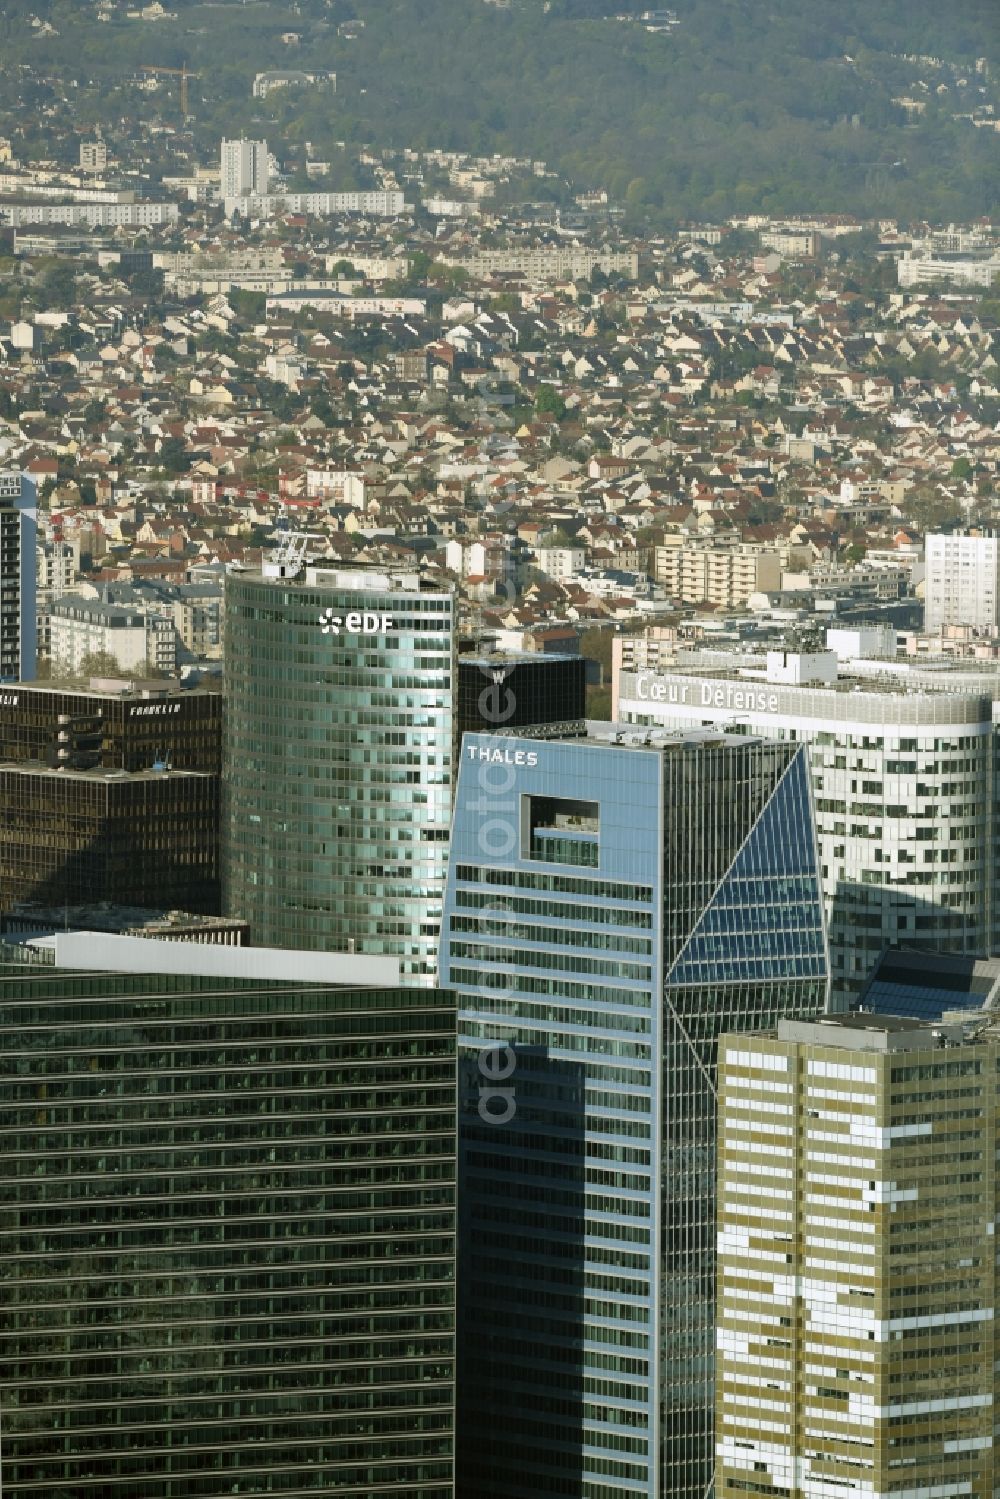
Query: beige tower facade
{"x": 856, "y": 1261}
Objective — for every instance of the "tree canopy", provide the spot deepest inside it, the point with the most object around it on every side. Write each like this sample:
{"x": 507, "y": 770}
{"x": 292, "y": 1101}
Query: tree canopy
{"x": 779, "y": 108}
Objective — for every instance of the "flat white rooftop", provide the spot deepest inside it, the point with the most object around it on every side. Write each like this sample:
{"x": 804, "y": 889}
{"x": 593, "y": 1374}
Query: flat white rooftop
{"x": 106, "y": 952}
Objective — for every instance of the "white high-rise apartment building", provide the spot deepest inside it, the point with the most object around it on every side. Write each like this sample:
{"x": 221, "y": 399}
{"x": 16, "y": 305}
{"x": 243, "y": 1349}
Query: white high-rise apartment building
{"x": 57, "y": 563}
{"x": 903, "y": 770}
{"x": 244, "y": 168}
{"x": 93, "y": 156}
{"x": 18, "y": 540}
{"x": 963, "y": 580}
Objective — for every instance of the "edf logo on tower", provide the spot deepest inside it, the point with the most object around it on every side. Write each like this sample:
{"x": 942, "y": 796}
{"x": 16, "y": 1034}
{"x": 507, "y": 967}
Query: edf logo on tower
{"x": 355, "y": 623}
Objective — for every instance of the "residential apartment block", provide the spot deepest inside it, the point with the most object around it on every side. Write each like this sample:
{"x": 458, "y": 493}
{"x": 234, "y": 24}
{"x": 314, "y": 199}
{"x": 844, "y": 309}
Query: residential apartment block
{"x": 791, "y": 242}
{"x": 560, "y": 562}
{"x": 549, "y": 263}
{"x": 137, "y": 639}
{"x": 57, "y": 564}
{"x": 89, "y": 215}
{"x": 198, "y": 610}
{"x": 266, "y": 83}
{"x": 856, "y": 1280}
{"x": 917, "y": 268}
{"x": 93, "y": 156}
{"x": 962, "y": 584}
{"x": 243, "y": 168}
{"x": 724, "y": 576}
{"x": 265, "y": 205}
{"x": 336, "y": 486}
{"x": 648, "y": 652}
{"x": 327, "y": 299}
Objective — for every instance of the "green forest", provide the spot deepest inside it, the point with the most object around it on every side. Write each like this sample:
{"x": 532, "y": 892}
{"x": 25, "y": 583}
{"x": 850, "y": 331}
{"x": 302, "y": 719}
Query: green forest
{"x": 744, "y": 105}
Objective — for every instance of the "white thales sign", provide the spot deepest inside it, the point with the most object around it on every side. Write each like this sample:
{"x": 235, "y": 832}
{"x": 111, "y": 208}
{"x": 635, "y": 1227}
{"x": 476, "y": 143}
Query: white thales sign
{"x": 502, "y": 757}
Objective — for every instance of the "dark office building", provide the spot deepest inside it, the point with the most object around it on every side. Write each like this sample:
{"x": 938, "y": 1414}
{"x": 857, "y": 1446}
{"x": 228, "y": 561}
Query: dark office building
{"x": 229, "y": 1239}
{"x": 131, "y": 261}
{"x": 18, "y": 536}
{"x": 920, "y": 985}
{"x": 146, "y": 839}
{"x": 129, "y": 729}
{"x": 519, "y": 690}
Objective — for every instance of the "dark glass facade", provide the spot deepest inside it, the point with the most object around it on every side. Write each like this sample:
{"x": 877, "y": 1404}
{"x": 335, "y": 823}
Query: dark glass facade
{"x": 227, "y": 1242}
{"x": 593, "y": 987}
{"x": 75, "y": 836}
{"x": 500, "y": 691}
{"x": 117, "y": 731}
{"x": 338, "y": 756}
{"x": 18, "y": 537}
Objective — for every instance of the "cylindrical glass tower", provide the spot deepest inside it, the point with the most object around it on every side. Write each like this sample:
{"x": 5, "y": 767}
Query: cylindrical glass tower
{"x": 338, "y": 760}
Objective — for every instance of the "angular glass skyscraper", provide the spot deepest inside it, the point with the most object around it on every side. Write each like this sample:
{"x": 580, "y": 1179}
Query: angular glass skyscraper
{"x": 614, "y": 904}
{"x": 338, "y": 760}
{"x": 228, "y": 1237}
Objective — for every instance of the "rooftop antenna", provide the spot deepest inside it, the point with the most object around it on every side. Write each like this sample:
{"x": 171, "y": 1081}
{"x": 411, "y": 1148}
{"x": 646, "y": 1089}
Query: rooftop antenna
{"x": 288, "y": 556}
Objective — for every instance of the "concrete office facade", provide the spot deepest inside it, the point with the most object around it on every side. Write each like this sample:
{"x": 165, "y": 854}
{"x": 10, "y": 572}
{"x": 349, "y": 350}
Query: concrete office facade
{"x": 904, "y": 793}
{"x": 856, "y": 1205}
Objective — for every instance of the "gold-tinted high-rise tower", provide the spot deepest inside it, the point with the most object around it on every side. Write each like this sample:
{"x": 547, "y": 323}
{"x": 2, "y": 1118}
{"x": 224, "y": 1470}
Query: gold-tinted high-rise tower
{"x": 856, "y": 1279}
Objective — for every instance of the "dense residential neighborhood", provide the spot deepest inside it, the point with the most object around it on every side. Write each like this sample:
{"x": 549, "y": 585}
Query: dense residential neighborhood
{"x": 580, "y": 427}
